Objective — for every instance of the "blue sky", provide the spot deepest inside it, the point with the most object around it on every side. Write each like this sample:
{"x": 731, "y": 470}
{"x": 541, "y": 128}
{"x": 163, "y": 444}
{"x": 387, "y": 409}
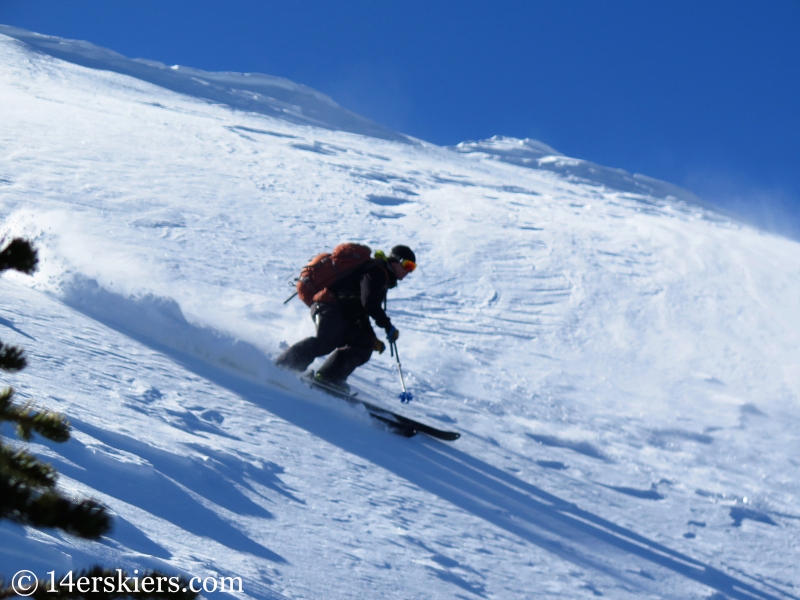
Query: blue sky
{"x": 703, "y": 94}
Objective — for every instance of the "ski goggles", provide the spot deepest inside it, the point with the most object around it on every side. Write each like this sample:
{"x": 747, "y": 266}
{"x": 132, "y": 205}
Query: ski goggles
{"x": 408, "y": 265}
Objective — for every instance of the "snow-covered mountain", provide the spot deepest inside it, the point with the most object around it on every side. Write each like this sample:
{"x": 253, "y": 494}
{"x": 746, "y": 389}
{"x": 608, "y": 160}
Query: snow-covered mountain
{"x": 620, "y": 359}
{"x": 251, "y": 92}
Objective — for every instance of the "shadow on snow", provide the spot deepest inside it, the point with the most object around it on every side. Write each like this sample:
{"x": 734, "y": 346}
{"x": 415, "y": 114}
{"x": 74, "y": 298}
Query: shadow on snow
{"x": 523, "y": 509}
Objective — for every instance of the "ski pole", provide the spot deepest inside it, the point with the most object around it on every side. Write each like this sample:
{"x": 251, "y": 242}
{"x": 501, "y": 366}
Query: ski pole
{"x": 405, "y": 396}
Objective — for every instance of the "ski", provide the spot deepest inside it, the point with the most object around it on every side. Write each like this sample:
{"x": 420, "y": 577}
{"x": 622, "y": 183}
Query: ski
{"x": 396, "y": 423}
{"x": 393, "y": 425}
{"x": 440, "y": 434}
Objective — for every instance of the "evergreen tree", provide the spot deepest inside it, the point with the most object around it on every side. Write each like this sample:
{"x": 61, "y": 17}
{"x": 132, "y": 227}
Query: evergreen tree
{"x": 29, "y": 496}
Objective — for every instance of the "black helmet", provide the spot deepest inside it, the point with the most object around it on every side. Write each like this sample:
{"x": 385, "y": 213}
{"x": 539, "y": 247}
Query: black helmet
{"x": 400, "y": 253}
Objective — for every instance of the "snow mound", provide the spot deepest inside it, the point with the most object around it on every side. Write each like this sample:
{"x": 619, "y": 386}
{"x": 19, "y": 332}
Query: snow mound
{"x": 534, "y": 154}
{"x": 512, "y": 150}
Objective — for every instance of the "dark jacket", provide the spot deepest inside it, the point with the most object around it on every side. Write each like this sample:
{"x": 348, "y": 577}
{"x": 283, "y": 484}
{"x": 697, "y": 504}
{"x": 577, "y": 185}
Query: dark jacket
{"x": 361, "y": 294}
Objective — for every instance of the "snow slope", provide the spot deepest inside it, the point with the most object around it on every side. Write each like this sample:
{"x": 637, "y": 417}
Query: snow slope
{"x": 252, "y": 92}
{"x": 621, "y": 361}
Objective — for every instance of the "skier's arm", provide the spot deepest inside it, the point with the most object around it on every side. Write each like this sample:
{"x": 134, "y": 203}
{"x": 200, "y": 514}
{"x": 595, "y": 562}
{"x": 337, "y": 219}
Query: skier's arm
{"x": 373, "y": 286}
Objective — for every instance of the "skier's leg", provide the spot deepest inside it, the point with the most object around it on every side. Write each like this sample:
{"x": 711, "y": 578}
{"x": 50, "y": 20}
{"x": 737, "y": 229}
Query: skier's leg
{"x": 330, "y": 327}
{"x": 345, "y": 360}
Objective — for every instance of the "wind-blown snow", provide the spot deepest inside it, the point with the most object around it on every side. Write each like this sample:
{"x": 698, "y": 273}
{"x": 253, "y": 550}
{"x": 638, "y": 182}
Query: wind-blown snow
{"x": 621, "y": 362}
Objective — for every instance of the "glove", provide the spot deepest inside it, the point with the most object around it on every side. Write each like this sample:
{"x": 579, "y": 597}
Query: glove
{"x": 392, "y": 334}
{"x": 379, "y": 346}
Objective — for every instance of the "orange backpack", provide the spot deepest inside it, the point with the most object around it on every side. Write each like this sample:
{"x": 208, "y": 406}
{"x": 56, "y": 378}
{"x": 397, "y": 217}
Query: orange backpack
{"x": 328, "y": 268}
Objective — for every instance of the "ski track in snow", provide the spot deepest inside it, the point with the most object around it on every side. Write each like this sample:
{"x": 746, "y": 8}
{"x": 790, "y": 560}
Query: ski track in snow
{"x": 623, "y": 367}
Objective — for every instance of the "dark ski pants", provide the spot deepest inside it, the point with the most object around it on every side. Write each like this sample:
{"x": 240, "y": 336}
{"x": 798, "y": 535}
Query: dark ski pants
{"x": 351, "y": 343}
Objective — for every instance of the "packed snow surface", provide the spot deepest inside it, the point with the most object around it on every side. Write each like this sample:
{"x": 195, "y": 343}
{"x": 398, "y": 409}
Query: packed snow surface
{"x": 622, "y": 362}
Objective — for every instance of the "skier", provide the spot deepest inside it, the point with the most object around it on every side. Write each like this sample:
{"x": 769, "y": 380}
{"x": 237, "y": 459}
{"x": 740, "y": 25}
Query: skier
{"x": 343, "y": 326}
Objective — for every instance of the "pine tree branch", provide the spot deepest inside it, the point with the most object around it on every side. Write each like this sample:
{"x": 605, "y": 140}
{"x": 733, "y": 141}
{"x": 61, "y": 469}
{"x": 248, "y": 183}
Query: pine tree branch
{"x": 12, "y": 358}
{"x": 19, "y": 255}
{"x": 21, "y": 465}
{"x": 26, "y": 506}
{"x": 5, "y": 398}
{"x": 46, "y": 423}
{"x": 98, "y": 583}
